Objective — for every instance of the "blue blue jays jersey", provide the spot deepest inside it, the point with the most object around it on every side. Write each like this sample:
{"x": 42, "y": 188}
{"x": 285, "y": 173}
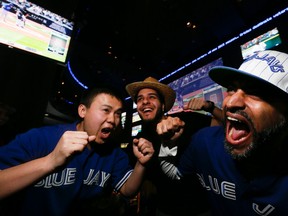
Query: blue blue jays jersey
{"x": 230, "y": 193}
{"x": 86, "y": 176}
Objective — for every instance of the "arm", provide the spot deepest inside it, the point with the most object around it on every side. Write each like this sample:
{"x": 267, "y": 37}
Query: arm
{"x": 28, "y": 172}
{"x": 32, "y": 171}
{"x": 208, "y": 106}
{"x": 170, "y": 129}
{"x": 143, "y": 150}
{"x": 167, "y": 158}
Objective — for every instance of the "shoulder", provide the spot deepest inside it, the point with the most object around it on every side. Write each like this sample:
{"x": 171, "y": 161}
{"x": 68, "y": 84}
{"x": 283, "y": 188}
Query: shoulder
{"x": 209, "y": 136}
{"x": 207, "y": 140}
{"x": 45, "y": 133}
{"x": 60, "y": 128}
{"x": 211, "y": 131}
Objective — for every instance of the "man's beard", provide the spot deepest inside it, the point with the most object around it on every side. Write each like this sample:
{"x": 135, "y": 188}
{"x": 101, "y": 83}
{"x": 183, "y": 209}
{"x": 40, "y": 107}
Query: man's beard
{"x": 153, "y": 120}
{"x": 265, "y": 142}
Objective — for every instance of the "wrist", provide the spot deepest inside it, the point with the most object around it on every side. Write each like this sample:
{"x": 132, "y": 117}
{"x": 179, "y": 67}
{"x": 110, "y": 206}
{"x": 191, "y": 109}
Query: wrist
{"x": 210, "y": 106}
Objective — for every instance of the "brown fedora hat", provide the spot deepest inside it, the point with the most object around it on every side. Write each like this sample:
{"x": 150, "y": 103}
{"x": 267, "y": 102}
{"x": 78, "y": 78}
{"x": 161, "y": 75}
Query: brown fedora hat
{"x": 166, "y": 91}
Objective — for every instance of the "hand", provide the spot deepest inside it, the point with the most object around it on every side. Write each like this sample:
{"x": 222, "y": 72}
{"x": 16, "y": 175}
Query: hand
{"x": 170, "y": 129}
{"x": 143, "y": 150}
{"x": 70, "y": 143}
{"x": 196, "y": 104}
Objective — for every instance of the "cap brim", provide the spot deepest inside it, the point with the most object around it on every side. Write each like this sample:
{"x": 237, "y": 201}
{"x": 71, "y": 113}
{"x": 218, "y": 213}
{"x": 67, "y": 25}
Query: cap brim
{"x": 224, "y": 76}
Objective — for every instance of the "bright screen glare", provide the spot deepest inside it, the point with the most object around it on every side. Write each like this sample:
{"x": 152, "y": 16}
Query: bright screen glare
{"x": 29, "y": 27}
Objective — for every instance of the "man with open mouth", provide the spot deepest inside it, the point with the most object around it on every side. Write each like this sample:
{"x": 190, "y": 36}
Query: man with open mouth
{"x": 243, "y": 164}
{"x": 69, "y": 169}
{"x": 159, "y": 195}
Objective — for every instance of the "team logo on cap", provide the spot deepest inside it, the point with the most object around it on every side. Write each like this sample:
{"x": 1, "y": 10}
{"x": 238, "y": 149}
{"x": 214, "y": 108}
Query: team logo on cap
{"x": 272, "y": 62}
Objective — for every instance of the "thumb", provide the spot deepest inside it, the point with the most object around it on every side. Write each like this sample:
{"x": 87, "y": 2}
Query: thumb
{"x": 91, "y": 138}
{"x": 135, "y": 141}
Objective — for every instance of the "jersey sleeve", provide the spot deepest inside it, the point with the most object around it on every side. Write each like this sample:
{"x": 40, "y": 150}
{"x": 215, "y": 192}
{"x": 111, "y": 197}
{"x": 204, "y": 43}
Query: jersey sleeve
{"x": 121, "y": 171}
{"x": 167, "y": 158}
{"x": 35, "y": 143}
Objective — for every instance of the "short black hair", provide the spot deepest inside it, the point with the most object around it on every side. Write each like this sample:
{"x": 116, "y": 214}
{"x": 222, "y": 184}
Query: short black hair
{"x": 90, "y": 93}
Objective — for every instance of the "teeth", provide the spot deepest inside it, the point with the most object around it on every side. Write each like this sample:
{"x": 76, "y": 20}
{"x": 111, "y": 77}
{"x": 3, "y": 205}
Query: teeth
{"x": 146, "y": 110}
{"x": 233, "y": 119}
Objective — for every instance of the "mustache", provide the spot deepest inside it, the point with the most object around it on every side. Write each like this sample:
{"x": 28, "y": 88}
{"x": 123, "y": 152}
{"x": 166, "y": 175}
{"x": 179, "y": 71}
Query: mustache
{"x": 238, "y": 112}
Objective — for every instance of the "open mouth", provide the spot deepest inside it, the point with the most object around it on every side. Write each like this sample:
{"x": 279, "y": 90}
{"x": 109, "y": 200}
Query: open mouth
{"x": 145, "y": 110}
{"x": 238, "y": 131}
{"x": 147, "y": 113}
{"x": 105, "y": 132}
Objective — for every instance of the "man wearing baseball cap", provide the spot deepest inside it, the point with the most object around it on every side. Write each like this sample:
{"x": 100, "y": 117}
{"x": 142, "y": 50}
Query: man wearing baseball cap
{"x": 243, "y": 164}
{"x": 160, "y": 195}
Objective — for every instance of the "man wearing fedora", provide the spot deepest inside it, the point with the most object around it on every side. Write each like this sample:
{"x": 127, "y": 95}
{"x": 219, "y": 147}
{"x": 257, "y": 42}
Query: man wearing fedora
{"x": 160, "y": 195}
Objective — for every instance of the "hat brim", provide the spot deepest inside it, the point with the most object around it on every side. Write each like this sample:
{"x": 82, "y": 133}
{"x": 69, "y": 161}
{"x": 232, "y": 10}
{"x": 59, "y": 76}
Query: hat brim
{"x": 224, "y": 76}
{"x": 167, "y": 92}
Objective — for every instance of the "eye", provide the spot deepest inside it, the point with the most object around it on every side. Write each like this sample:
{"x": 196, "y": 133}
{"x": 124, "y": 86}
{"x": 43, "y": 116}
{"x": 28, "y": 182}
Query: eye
{"x": 106, "y": 110}
{"x": 153, "y": 97}
{"x": 231, "y": 88}
{"x": 254, "y": 90}
{"x": 118, "y": 114}
{"x": 139, "y": 99}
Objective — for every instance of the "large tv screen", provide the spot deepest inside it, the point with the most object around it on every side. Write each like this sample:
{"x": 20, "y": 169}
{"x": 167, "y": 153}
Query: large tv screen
{"x": 197, "y": 84}
{"x": 264, "y": 41}
{"x": 29, "y": 27}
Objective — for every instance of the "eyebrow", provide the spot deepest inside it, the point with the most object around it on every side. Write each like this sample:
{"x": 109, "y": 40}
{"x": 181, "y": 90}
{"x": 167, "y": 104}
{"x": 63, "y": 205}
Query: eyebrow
{"x": 111, "y": 107}
{"x": 150, "y": 93}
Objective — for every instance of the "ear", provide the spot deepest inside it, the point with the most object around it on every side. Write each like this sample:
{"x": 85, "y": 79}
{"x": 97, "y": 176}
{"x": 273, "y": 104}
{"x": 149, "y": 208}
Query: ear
{"x": 82, "y": 110}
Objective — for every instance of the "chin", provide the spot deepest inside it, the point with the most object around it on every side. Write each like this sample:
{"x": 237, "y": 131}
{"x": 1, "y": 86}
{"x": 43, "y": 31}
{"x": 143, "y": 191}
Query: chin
{"x": 100, "y": 141}
{"x": 149, "y": 119}
{"x": 238, "y": 154}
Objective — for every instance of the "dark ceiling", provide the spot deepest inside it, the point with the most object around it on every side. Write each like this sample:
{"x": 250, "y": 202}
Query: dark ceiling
{"x": 119, "y": 42}
{"x": 147, "y": 37}
{"x": 152, "y": 37}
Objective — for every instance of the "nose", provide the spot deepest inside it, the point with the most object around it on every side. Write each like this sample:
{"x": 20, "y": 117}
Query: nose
{"x": 111, "y": 118}
{"x": 145, "y": 100}
{"x": 236, "y": 99}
